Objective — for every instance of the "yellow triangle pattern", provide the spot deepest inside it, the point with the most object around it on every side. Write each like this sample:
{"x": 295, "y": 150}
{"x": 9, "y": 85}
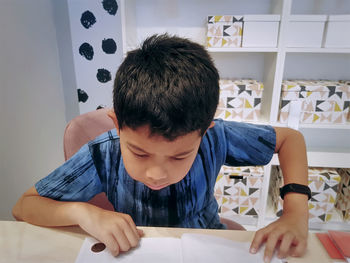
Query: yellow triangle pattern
{"x": 243, "y": 193}
{"x": 247, "y": 105}
{"x": 337, "y": 108}
{"x": 208, "y": 41}
{"x": 224, "y": 200}
{"x": 311, "y": 206}
{"x": 328, "y": 217}
{"x": 219, "y": 177}
{"x": 315, "y": 118}
{"x": 308, "y": 93}
{"x": 223, "y": 42}
{"x": 242, "y": 209}
{"x": 331, "y": 200}
{"x": 227, "y": 114}
{"x": 217, "y": 18}
{"x": 290, "y": 86}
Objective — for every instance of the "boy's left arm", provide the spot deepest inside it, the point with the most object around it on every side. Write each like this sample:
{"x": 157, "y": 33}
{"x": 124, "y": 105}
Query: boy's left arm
{"x": 290, "y": 231}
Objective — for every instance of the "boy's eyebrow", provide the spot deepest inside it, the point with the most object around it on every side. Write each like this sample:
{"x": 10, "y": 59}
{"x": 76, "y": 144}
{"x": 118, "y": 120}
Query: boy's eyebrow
{"x": 141, "y": 150}
{"x": 136, "y": 147}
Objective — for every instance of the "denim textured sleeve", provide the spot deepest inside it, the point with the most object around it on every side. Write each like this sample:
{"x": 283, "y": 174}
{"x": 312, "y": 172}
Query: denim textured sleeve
{"x": 75, "y": 180}
{"x": 247, "y": 144}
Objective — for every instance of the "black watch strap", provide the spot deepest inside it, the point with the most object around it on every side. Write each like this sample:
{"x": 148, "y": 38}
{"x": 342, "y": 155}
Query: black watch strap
{"x": 295, "y": 188}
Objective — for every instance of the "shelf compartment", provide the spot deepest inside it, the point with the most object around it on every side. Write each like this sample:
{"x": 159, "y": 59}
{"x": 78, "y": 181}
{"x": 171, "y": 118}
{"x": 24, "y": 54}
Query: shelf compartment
{"x": 315, "y": 66}
{"x": 258, "y": 66}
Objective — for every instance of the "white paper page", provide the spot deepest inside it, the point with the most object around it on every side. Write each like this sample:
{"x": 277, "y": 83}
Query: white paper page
{"x": 209, "y": 249}
{"x": 150, "y": 250}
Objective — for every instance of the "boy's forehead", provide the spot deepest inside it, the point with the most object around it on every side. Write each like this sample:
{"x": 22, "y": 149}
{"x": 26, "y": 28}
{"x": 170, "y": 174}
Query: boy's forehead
{"x": 142, "y": 137}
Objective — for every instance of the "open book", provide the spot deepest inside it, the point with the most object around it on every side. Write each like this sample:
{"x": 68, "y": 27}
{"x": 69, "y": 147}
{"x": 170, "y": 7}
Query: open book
{"x": 190, "y": 248}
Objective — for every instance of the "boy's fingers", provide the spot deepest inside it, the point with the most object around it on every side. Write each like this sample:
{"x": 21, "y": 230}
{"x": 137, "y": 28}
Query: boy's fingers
{"x": 257, "y": 241}
{"x": 131, "y": 224}
{"x": 140, "y": 231}
{"x": 112, "y": 244}
{"x": 300, "y": 249}
{"x": 270, "y": 246}
{"x": 122, "y": 240}
{"x": 131, "y": 236}
{"x": 285, "y": 246}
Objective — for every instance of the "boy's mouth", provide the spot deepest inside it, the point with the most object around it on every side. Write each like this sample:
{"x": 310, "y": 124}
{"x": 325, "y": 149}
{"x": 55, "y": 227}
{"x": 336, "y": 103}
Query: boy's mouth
{"x": 156, "y": 187}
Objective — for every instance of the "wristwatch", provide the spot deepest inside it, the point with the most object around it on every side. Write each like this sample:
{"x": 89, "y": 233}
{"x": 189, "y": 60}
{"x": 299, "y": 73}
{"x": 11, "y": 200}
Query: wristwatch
{"x": 295, "y": 188}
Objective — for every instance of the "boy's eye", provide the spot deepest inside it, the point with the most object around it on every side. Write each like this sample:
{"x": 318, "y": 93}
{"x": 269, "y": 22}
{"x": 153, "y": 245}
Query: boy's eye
{"x": 141, "y": 155}
{"x": 179, "y": 158}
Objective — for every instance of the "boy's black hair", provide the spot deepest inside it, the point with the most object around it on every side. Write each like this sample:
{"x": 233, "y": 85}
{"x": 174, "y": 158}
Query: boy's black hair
{"x": 169, "y": 84}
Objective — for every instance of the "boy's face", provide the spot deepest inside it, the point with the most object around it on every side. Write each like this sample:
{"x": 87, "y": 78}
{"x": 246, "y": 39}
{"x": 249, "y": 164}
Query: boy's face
{"x": 154, "y": 160}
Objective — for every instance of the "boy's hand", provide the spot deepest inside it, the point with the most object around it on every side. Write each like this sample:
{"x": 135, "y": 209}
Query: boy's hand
{"x": 288, "y": 234}
{"x": 116, "y": 230}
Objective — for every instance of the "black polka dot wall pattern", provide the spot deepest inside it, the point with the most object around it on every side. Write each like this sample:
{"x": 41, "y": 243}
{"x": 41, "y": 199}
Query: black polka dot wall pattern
{"x": 87, "y": 51}
{"x": 109, "y": 46}
{"x": 82, "y": 96}
{"x": 103, "y": 75}
{"x": 87, "y": 19}
{"x": 111, "y": 6}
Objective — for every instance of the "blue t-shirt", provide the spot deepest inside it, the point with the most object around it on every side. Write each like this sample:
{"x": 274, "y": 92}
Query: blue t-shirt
{"x": 98, "y": 167}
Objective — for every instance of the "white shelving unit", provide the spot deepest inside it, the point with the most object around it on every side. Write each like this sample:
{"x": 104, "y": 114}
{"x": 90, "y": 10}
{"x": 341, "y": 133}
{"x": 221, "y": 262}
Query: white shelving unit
{"x": 328, "y": 145}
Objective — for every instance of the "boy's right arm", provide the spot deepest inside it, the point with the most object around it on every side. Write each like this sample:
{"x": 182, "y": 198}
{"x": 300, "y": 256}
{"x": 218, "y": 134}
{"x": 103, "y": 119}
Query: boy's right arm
{"x": 118, "y": 231}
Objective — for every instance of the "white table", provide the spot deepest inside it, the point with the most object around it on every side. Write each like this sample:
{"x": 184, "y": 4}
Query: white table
{"x": 22, "y": 242}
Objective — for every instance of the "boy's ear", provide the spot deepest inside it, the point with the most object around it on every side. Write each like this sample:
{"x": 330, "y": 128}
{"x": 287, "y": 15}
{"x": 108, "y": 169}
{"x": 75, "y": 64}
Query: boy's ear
{"x": 112, "y": 115}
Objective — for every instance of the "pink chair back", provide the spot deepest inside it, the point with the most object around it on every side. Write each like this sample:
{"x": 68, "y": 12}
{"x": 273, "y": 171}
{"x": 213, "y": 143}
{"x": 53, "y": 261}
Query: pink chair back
{"x": 81, "y": 130}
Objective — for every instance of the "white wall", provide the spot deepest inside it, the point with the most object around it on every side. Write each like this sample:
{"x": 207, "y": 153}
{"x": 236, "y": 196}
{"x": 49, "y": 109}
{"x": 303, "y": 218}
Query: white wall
{"x": 32, "y": 110}
{"x": 65, "y": 51}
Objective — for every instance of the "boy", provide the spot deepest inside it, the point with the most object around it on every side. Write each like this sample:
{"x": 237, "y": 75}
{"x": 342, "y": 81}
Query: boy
{"x": 159, "y": 166}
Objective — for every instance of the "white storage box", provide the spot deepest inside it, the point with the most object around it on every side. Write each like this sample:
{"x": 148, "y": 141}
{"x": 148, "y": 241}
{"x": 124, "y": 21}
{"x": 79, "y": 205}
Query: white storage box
{"x": 260, "y": 30}
{"x": 337, "y": 32}
{"x": 305, "y": 30}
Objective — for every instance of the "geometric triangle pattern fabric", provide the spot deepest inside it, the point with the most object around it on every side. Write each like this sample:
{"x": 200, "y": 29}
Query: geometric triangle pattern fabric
{"x": 339, "y": 117}
{"x": 239, "y": 196}
{"x": 342, "y": 202}
{"x": 252, "y": 212}
{"x": 234, "y": 102}
{"x": 337, "y": 107}
{"x": 322, "y": 101}
{"x": 224, "y": 31}
{"x": 309, "y": 106}
{"x": 315, "y": 118}
{"x": 229, "y": 19}
{"x": 324, "y": 105}
{"x": 240, "y": 100}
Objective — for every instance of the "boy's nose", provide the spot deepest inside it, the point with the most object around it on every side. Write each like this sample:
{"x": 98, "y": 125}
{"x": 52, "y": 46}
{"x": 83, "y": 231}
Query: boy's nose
{"x": 157, "y": 175}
